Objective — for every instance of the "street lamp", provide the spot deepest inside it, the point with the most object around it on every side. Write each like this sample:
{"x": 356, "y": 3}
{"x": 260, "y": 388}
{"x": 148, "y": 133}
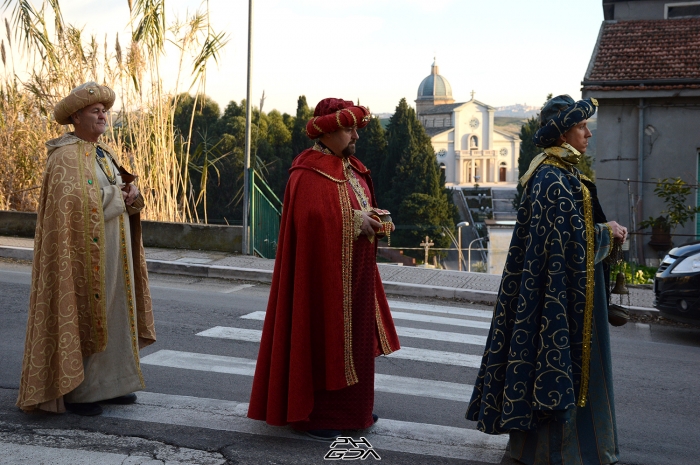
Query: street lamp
{"x": 245, "y": 242}
{"x": 459, "y": 246}
{"x": 469, "y": 253}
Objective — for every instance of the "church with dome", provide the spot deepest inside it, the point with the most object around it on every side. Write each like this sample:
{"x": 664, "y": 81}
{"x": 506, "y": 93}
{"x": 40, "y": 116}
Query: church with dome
{"x": 467, "y": 145}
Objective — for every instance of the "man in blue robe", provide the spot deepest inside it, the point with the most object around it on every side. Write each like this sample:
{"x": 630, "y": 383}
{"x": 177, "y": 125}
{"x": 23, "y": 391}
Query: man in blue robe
{"x": 546, "y": 374}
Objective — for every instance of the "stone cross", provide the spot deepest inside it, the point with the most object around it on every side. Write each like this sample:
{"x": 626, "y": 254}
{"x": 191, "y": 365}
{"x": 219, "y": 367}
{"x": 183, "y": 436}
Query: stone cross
{"x": 473, "y": 94}
{"x": 426, "y": 245}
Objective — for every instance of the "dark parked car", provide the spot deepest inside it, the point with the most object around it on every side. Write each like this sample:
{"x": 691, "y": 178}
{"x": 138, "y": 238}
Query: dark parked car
{"x": 677, "y": 284}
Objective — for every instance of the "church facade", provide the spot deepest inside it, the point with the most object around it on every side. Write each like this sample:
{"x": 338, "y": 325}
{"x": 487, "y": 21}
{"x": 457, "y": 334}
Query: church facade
{"x": 467, "y": 145}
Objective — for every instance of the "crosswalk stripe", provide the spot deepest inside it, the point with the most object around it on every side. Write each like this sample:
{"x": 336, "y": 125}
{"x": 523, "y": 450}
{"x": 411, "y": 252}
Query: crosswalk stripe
{"x": 237, "y": 334}
{"x": 397, "y": 304}
{"x": 400, "y": 436}
{"x": 253, "y": 335}
{"x": 405, "y": 353}
{"x": 437, "y": 356}
{"x": 260, "y": 315}
{"x": 422, "y": 387}
{"x": 441, "y": 336}
{"x": 246, "y": 367}
{"x": 201, "y": 362}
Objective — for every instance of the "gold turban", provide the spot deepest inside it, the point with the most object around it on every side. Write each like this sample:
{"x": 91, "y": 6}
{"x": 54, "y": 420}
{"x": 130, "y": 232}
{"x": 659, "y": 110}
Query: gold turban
{"x": 81, "y": 97}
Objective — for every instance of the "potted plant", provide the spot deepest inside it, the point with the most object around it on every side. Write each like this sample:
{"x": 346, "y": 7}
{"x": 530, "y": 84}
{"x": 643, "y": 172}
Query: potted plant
{"x": 660, "y": 232}
{"x": 674, "y": 192}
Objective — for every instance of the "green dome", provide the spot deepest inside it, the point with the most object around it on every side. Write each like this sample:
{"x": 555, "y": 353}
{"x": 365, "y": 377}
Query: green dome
{"x": 434, "y": 86}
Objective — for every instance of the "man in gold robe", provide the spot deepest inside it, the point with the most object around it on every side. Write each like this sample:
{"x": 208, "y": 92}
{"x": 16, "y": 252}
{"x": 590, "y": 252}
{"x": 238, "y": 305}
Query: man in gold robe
{"x": 90, "y": 306}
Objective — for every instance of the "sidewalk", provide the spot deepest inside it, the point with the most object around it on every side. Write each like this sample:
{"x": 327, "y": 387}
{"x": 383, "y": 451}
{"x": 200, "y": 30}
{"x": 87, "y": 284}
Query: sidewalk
{"x": 401, "y": 280}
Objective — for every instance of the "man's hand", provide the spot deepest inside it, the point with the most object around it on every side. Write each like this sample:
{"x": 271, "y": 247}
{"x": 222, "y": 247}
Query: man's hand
{"x": 129, "y": 193}
{"x": 369, "y": 225}
{"x": 619, "y": 231}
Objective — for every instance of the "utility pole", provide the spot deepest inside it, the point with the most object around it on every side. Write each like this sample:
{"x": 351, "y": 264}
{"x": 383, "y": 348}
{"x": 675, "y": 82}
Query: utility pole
{"x": 245, "y": 243}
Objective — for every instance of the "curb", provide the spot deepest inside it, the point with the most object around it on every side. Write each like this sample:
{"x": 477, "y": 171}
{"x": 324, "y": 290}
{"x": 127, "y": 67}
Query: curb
{"x": 209, "y": 271}
{"x": 423, "y": 290}
{"x": 18, "y": 253}
{"x": 265, "y": 276}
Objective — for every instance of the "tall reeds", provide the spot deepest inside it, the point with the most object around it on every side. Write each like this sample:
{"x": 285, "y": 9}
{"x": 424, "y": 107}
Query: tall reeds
{"x": 59, "y": 58}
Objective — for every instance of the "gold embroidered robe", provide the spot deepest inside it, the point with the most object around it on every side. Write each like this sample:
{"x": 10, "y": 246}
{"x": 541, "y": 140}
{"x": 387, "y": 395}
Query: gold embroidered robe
{"x": 68, "y": 316}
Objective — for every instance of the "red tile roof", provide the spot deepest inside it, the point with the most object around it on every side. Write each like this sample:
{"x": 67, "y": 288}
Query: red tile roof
{"x": 654, "y": 50}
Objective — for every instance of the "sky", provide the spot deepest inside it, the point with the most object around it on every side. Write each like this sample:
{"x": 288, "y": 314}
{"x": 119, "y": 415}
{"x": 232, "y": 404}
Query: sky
{"x": 378, "y": 51}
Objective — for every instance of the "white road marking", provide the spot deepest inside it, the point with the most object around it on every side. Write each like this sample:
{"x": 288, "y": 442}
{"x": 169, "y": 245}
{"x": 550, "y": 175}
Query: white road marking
{"x": 237, "y": 334}
{"x": 441, "y": 320}
{"x": 400, "y": 305}
{"x": 201, "y": 362}
{"x": 238, "y": 288}
{"x": 400, "y": 436}
{"x": 405, "y": 353}
{"x": 423, "y": 387}
{"x": 260, "y": 315}
{"x": 441, "y": 336}
{"x": 437, "y": 356}
{"x": 253, "y": 335}
{"x": 246, "y": 367}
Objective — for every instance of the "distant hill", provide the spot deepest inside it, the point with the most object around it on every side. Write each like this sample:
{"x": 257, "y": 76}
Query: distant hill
{"x": 509, "y": 123}
{"x": 517, "y": 111}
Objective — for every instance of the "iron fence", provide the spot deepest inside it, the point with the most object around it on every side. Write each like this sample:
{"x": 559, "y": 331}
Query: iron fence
{"x": 265, "y": 214}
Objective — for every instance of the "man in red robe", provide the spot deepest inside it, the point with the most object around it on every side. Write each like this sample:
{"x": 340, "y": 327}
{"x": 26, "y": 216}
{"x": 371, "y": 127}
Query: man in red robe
{"x": 327, "y": 317}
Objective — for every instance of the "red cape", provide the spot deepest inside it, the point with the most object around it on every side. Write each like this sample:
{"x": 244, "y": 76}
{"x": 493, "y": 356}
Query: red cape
{"x": 307, "y": 336}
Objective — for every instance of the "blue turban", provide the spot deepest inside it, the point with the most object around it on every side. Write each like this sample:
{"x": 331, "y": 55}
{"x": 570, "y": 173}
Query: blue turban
{"x": 560, "y": 114}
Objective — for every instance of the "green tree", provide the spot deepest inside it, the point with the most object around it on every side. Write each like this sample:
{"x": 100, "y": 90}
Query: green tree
{"x": 413, "y": 193}
{"x": 528, "y": 151}
{"x": 371, "y": 147}
{"x": 193, "y": 125}
{"x": 300, "y": 141}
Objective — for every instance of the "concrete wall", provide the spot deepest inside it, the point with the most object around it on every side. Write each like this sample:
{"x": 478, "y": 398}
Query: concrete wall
{"x": 155, "y": 234}
{"x": 671, "y": 151}
{"x": 500, "y": 236}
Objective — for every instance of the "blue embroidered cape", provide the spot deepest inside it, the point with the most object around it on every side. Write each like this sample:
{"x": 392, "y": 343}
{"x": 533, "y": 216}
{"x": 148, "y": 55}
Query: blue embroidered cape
{"x": 534, "y": 358}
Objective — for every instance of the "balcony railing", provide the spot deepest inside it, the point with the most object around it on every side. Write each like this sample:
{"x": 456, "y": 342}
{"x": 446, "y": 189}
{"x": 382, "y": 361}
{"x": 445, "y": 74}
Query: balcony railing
{"x": 475, "y": 153}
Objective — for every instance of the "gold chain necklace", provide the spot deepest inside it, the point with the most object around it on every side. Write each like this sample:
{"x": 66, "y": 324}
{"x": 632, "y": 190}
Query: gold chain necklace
{"x": 357, "y": 188}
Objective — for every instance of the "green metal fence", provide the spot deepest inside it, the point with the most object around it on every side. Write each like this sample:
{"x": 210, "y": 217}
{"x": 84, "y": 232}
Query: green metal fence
{"x": 265, "y": 214}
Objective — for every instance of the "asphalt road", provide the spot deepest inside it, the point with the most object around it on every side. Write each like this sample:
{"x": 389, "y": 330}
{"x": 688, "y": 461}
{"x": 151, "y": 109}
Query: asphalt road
{"x": 198, "y": 384}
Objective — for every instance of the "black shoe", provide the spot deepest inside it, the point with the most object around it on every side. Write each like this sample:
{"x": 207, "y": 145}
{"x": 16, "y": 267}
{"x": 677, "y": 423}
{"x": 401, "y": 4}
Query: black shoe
{"x": 122, "y": 400}
{"x": 324, "y": 434}
{"x": 375, "y": 418}
{"x": 87, "y": 409}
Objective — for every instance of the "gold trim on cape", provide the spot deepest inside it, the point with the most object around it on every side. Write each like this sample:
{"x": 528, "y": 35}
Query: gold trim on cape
{"x": 590, "y": 287}
{"x": 386, "y": 347}
{"x": 347, "y": 218}
{"x": 130, "y": 298}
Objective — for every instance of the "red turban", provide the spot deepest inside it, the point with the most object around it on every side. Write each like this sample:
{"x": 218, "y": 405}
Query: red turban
{"x": 332, "y": 114}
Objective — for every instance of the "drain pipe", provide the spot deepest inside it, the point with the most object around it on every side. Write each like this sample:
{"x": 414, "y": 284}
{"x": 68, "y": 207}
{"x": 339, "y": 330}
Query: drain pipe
{"x": 640, "y": 179}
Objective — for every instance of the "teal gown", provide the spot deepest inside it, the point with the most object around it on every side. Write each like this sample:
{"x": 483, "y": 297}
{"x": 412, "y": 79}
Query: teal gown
{"x": 590, "y": 434}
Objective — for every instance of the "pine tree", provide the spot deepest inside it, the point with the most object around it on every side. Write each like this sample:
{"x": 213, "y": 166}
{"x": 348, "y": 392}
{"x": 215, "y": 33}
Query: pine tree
{"x": 300, "y": 140}
{"x": 528, "y": 151}
{"x": 411, "y": 183}
{"x": 371, "y": 147}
